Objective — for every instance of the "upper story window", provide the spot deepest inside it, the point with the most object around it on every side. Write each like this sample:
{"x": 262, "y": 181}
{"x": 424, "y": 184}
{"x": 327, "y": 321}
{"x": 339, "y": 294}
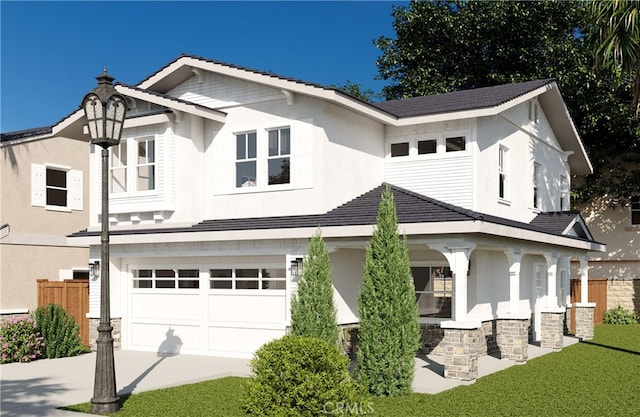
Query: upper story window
{"x": 246, "y": 158}
{"x": 56, "y": 187}
{"x": 502, "y": 172}
{"x": 279, "y": 159}
{"x": 137, "y": 176}
{"x": 263, "y": 160}
{"x": 399, "y": 149}
{"x": 564, "y": 193}
{"x": 439, "y": 144}
{"x": 634, "y": 210}
{"x": 455, "y": 144}
{"x": 533, "y": 112}
{"x": 536, "y": 185}
{"x": 427, "y": 146}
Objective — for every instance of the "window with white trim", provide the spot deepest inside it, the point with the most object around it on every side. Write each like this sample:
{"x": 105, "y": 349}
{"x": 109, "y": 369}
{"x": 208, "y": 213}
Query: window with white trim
{"x": 455, "y": 143}
{"x": 434, "y": 290}
{"x": 247, "y": 279}
{"x": 146, "y": 164}
{"x": 56, "y": 187}
{"x": 503, "y": 178}
{"x": 246, "y": 159}
{"x": 564, "y": 193}
{"x": 634, "y": 210}
{"x": 279, "y": 156}
{"x": 533, "y": 111}
{"x": 137, "y": 176}
{"x": 536, "y": 185}
{"x": 399, "y": 149}
{"x": 438, "y": 144}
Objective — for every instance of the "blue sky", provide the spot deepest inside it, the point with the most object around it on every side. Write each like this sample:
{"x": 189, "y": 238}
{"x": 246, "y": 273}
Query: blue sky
{"x": 50, "y": 52}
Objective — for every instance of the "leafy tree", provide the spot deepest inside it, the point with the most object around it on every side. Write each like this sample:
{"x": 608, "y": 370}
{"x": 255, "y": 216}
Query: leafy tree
{"x": 444, "y": 46}
{"x": 313, "y": 313}
{"x": 356, "y": 91}
{"x": 617, "y": 27}
{"x": 389, "y": 333}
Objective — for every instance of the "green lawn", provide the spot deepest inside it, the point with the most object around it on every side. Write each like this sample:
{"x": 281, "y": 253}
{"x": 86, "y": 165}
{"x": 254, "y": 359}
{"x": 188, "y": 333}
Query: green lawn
{"x": 597, "y": 378}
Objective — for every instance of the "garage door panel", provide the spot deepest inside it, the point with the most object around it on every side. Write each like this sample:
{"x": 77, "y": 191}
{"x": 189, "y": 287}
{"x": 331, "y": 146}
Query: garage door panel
{"x": 165, "y": 338}
{"x": 247, "y": 308}
{"x": 240, "y": 340}
{"x": 167, "y": 306}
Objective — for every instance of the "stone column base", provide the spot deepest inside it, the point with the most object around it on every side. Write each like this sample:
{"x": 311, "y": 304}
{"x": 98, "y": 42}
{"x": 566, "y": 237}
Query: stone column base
{"x": 461, "y": 353}
{"x": 513, "y": 339}
{"x": 584, "y": 320}
{"x": 115, "y": 333}
{"x": 551, "y": 329}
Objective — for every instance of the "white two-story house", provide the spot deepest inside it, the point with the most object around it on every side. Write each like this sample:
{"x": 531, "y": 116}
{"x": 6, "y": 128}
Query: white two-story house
{"x": 224, "y": 173}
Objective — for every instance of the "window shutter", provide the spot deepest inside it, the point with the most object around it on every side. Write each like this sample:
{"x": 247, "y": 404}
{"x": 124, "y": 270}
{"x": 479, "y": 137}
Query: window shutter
{"x": 302, "y": 148}
{"x": 38, "y": 185}
{"x": 74, "y": 184}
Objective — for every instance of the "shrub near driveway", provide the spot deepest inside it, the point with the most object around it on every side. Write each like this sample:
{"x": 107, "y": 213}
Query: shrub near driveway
{"x": 20, "y": 341}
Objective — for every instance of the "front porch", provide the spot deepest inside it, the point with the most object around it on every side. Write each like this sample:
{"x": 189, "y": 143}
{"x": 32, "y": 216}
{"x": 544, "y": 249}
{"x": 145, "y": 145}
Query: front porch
{"x": 429, "y": 376}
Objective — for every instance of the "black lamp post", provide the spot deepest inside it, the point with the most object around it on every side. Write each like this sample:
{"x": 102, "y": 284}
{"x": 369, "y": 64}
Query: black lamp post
{"x": 105, "y": 110}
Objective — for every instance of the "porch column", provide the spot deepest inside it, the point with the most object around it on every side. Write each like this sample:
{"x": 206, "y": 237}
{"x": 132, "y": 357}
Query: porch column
{"x": 513, "y": 328}
{"x": 584, "y": 310}
{"x": 552, "y": 270}
{"x": 514, "y": 257}
{"x": 458, "y": 258}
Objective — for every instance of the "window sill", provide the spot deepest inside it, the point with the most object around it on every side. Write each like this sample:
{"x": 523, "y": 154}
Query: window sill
{"x": 58, "y": 208}
{"x": 634, "y": 228}
{"x": 504, "y": 201}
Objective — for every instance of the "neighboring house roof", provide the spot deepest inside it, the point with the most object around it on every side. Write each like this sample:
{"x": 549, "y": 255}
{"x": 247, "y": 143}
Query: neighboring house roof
{"x": 411, "y": 208}
{"x": 27, "y": 133}
{"x": 455, "y": 101}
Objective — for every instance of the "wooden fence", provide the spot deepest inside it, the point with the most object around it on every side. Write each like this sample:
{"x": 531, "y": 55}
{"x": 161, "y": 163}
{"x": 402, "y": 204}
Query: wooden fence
{"x": 597, "y": 294}
{"x": 73, "y": 296}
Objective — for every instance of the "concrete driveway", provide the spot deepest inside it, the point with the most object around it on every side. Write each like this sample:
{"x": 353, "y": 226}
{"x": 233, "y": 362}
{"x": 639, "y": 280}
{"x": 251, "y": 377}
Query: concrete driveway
{"x": 37, "y": 388}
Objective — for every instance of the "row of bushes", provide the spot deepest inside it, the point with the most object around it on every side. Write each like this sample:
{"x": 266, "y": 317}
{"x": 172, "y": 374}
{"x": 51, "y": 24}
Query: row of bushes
{"x": 50, "y": 332}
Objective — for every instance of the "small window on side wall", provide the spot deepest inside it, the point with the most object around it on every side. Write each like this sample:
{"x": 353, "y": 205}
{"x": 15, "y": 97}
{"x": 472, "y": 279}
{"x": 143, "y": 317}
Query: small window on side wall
{"x": 399, "y": 149}
{"x": 455, "y": 144}
{"x": 635, "y": 210}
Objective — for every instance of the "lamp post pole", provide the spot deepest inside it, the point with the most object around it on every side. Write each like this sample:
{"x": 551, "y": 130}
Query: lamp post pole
{"x": 105, "y": 110}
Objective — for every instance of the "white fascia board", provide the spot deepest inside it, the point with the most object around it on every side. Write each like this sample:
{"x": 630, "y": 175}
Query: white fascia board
{"x": 274, "y": 82}
{"x": 210, "y": 114}
{"x": 571, "y": 128}
{"x": 410, "y": 229}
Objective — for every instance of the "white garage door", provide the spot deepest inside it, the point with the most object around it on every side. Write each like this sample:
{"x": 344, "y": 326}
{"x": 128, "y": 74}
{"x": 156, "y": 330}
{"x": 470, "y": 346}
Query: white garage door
{"x": 226, "y": 311}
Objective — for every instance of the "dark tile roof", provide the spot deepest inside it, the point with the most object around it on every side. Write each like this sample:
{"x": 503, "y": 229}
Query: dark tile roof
{"x": 555, "y": 221}
{"x": 363, "y": 210}
{"x": 476, "y": 98}
{"x": 255, "y": 71}
{"x": 27, "y": 133}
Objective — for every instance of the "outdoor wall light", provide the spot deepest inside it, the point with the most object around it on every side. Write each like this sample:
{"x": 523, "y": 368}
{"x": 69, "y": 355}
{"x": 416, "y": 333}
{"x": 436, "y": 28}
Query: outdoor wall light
{"x": 296, "y": 267}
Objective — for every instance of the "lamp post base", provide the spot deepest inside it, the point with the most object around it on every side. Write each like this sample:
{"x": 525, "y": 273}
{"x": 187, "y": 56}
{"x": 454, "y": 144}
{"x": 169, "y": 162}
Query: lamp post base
{"x": 104, "y": 399}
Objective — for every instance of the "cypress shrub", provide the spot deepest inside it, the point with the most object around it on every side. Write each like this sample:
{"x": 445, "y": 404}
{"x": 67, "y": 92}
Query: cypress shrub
{"x": 389, "y": 334}
{"x": 313, "y": 313}
{"x": 59, "y": 330}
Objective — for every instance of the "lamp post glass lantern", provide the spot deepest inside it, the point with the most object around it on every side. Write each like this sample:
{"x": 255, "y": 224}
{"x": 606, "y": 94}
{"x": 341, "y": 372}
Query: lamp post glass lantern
{"x": 105, "y": 111}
